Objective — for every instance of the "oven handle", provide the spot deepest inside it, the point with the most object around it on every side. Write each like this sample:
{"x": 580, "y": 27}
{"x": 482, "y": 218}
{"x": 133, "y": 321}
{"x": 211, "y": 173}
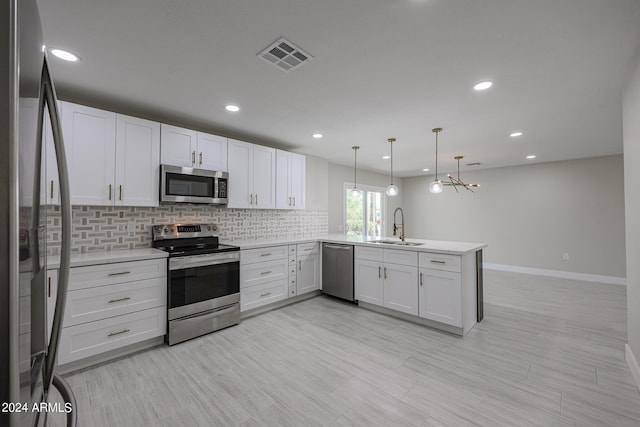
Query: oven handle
{"x": 180, "y": 263}
{"x": 217, "y": 311}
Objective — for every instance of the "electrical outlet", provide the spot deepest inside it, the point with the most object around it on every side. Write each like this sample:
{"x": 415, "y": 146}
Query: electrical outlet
{"x": 565, "y": 256}
{"x": 131, "y": 227}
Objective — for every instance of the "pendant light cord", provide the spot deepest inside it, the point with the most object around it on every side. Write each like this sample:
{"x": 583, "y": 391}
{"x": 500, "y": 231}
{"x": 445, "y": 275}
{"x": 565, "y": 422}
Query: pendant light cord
{"x": 391, "y": 142}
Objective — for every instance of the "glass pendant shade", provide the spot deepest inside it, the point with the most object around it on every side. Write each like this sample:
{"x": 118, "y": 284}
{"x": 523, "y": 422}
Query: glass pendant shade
{"x": 436, "y": 186}
{"x": 392, "y": 190}
{"x": 356, "y": 193}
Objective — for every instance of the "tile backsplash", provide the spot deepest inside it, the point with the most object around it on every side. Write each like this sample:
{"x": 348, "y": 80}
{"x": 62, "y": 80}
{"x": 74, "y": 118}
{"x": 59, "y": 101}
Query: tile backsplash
{"x": 105, "y": 228}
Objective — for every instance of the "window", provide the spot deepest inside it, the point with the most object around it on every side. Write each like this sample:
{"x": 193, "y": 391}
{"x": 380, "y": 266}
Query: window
{"x": 364, "y": 215}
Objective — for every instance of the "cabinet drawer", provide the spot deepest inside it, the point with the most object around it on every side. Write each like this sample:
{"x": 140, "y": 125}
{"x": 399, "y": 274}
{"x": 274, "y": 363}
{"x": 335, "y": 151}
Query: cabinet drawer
{"x": 260, "y": 295}
{"x": 251, "y": 256}
{"x": 89, "y": 339}
{"x": 371, "y": 254}
{"x": 308, "y": 248}
{"x": 263, "y": 272}
{"x": 395, "y": 256}
{"x": 440, "y": 262}
{"x": 88, "y": 305}
{"x": 120, "y": 272}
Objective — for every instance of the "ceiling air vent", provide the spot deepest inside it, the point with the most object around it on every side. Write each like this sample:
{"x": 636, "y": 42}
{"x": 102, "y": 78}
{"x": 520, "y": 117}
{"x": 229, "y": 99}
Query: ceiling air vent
{"x": 474, "y": 164}
{"x": 285, "y": 55}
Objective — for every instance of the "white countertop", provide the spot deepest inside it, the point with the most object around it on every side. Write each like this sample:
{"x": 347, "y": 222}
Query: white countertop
{"x": 437, "y": 246}
{"x": 108, "y": 257}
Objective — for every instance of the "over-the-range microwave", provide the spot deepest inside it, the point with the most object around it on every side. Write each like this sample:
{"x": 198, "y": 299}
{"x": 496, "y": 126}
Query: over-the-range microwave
{"x": 190, "y": 185}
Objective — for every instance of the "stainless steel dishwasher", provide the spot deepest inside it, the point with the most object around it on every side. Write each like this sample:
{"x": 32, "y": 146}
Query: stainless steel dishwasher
{"x": 337, "y": 270}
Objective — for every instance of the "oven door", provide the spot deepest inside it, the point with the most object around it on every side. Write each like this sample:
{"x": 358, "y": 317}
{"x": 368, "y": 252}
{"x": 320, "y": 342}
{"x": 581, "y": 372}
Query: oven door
{"x": 202, "y": 282}
{"x": 189, "y": 185}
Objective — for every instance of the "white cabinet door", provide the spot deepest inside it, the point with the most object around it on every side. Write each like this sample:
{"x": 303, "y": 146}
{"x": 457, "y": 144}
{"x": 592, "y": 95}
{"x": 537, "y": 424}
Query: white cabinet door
{"x": 178, "y": 146}
{"x": 441, "y": 296}
{"x": 368, "y": 281}
{"x": 283, "y": 197}
{"x": 308, "y": 273}
{"x": 89, "y": 137}
{"x": 401, "y": 288}
{"x": 137, "y": 161}
{"x": 212, "y": 152}
{"x": 264, "y": 177}
{"x": 52, "y": 291}
{"x": 240, "y": 174}
{"x": 297, "y": 173}
{"x": 290, "y": 180}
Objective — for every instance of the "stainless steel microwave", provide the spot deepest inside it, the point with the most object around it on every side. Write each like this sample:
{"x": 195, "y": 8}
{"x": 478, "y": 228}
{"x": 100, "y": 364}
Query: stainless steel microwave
{"x": 189, "y": 185}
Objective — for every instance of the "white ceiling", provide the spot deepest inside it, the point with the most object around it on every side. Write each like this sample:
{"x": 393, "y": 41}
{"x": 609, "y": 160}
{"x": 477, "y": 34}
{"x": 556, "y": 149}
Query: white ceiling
{"x": 382, "y": 68}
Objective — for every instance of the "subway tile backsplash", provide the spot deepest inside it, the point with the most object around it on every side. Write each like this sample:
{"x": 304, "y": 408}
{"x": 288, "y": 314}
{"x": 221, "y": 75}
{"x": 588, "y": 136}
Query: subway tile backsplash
{"x": 105, "y": 228}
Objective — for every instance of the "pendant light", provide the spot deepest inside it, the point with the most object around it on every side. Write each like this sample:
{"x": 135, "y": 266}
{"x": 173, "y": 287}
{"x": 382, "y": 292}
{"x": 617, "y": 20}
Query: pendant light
{"x": 436, "y": 185}
{"x": 355, "y": 192}
{"x": 392, "y": 189}
{"x": 455, "y": 182}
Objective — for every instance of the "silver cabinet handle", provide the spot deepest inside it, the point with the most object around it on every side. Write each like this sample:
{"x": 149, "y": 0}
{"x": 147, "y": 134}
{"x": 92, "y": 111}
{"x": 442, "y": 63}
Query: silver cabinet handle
{"x": 200, "y": 159}
{"x": 193, "y": 157}
{"x": 109, "y": 191}
{"x": 435, "y": 261}
{"x": 256, "y": 199}
{"x": 265, "y": 295}
{"x": 124, "y": 331}
{"x": 119, "y": 299}
{"x": 385, "y": 272}
{"x": 266, "y": 272}
{"x": 49, "y": 287}
{"x": 308, "y": 249}
{"x": 289, "y": 200}
{"x": 266, "y": 254}
{"x": 379, "y": 272}
{"x": 300, "y": 265}
{"x": 294, "y": 200}
{"x": 421, "y": 279}
{"x": 122, "y": 273}
{"x": 121, "y": 193}
{"x": 52, "y": 189}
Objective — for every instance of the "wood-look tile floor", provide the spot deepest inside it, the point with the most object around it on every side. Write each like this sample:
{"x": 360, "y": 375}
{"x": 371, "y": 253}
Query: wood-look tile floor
{"x": 549, "y": 352}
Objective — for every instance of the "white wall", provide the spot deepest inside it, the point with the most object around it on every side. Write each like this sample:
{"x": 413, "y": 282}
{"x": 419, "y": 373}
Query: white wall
{"x": 317, "y": 184}
{"x": 338, "y": 175}
{"x": 530, "y": 215}
{"x": 631, "y": 136}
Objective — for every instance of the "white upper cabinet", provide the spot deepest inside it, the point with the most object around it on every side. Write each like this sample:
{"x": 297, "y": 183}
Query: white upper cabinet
{"x": 290, "y": 180}
{"x": 188, "y": 148}
{"x": 179, "y": 146}
{"x": 89, "y": 137}
{"x": 137, "y": 161}
{"x": 252, "y": 179}
{"x": 211, "y": 152}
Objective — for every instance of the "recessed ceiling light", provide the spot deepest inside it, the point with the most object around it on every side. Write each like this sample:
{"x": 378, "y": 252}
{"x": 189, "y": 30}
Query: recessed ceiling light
{"x": 232, "y": 108}
{"x": 425, "y": 170}
{"x": 514, "y": 134}
{"x": 386, "y": 157}
{"x": 317, "y": 135}
{"x": 64, "y": 55}
{"x": 531, "y": 157}
{"x": 483, "y": 85}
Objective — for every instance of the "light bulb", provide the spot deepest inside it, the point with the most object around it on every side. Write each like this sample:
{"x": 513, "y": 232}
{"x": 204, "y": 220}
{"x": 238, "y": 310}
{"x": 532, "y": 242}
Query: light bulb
{"x": 436, "y": 186}
{"x": 356, "y": 193}
{"x": 392, "y": 190}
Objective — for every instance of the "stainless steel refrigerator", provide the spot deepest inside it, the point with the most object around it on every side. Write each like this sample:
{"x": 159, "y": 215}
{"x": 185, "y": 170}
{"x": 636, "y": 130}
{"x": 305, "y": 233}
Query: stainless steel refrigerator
{"x": 27, "y": 351}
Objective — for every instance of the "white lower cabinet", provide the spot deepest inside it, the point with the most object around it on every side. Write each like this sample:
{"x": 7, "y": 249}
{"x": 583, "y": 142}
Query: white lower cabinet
{"x": 264, "y": 282}
{"x": 110, "y": 306}
{"x": 393, "y": 286}
{"x": 441, "y": 296}
{"x": 308, "y": 268}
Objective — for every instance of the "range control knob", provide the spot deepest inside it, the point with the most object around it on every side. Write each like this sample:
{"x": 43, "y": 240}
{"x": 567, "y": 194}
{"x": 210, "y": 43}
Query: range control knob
{"x": 166, "y": 229}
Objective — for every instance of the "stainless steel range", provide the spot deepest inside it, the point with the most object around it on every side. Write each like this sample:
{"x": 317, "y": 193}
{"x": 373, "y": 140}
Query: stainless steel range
{"x": 203, "y": 285}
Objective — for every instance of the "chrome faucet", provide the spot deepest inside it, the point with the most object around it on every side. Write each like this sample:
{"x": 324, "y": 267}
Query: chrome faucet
{"x": 395, "y": 227}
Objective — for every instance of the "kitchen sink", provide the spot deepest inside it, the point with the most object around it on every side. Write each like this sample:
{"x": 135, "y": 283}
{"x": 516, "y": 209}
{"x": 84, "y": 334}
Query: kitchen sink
{"x": 395, "y": 242}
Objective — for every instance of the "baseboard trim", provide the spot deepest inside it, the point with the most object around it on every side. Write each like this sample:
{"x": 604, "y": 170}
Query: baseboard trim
{"x": 633, "y": 364}
{"x": 609, "y": 280}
